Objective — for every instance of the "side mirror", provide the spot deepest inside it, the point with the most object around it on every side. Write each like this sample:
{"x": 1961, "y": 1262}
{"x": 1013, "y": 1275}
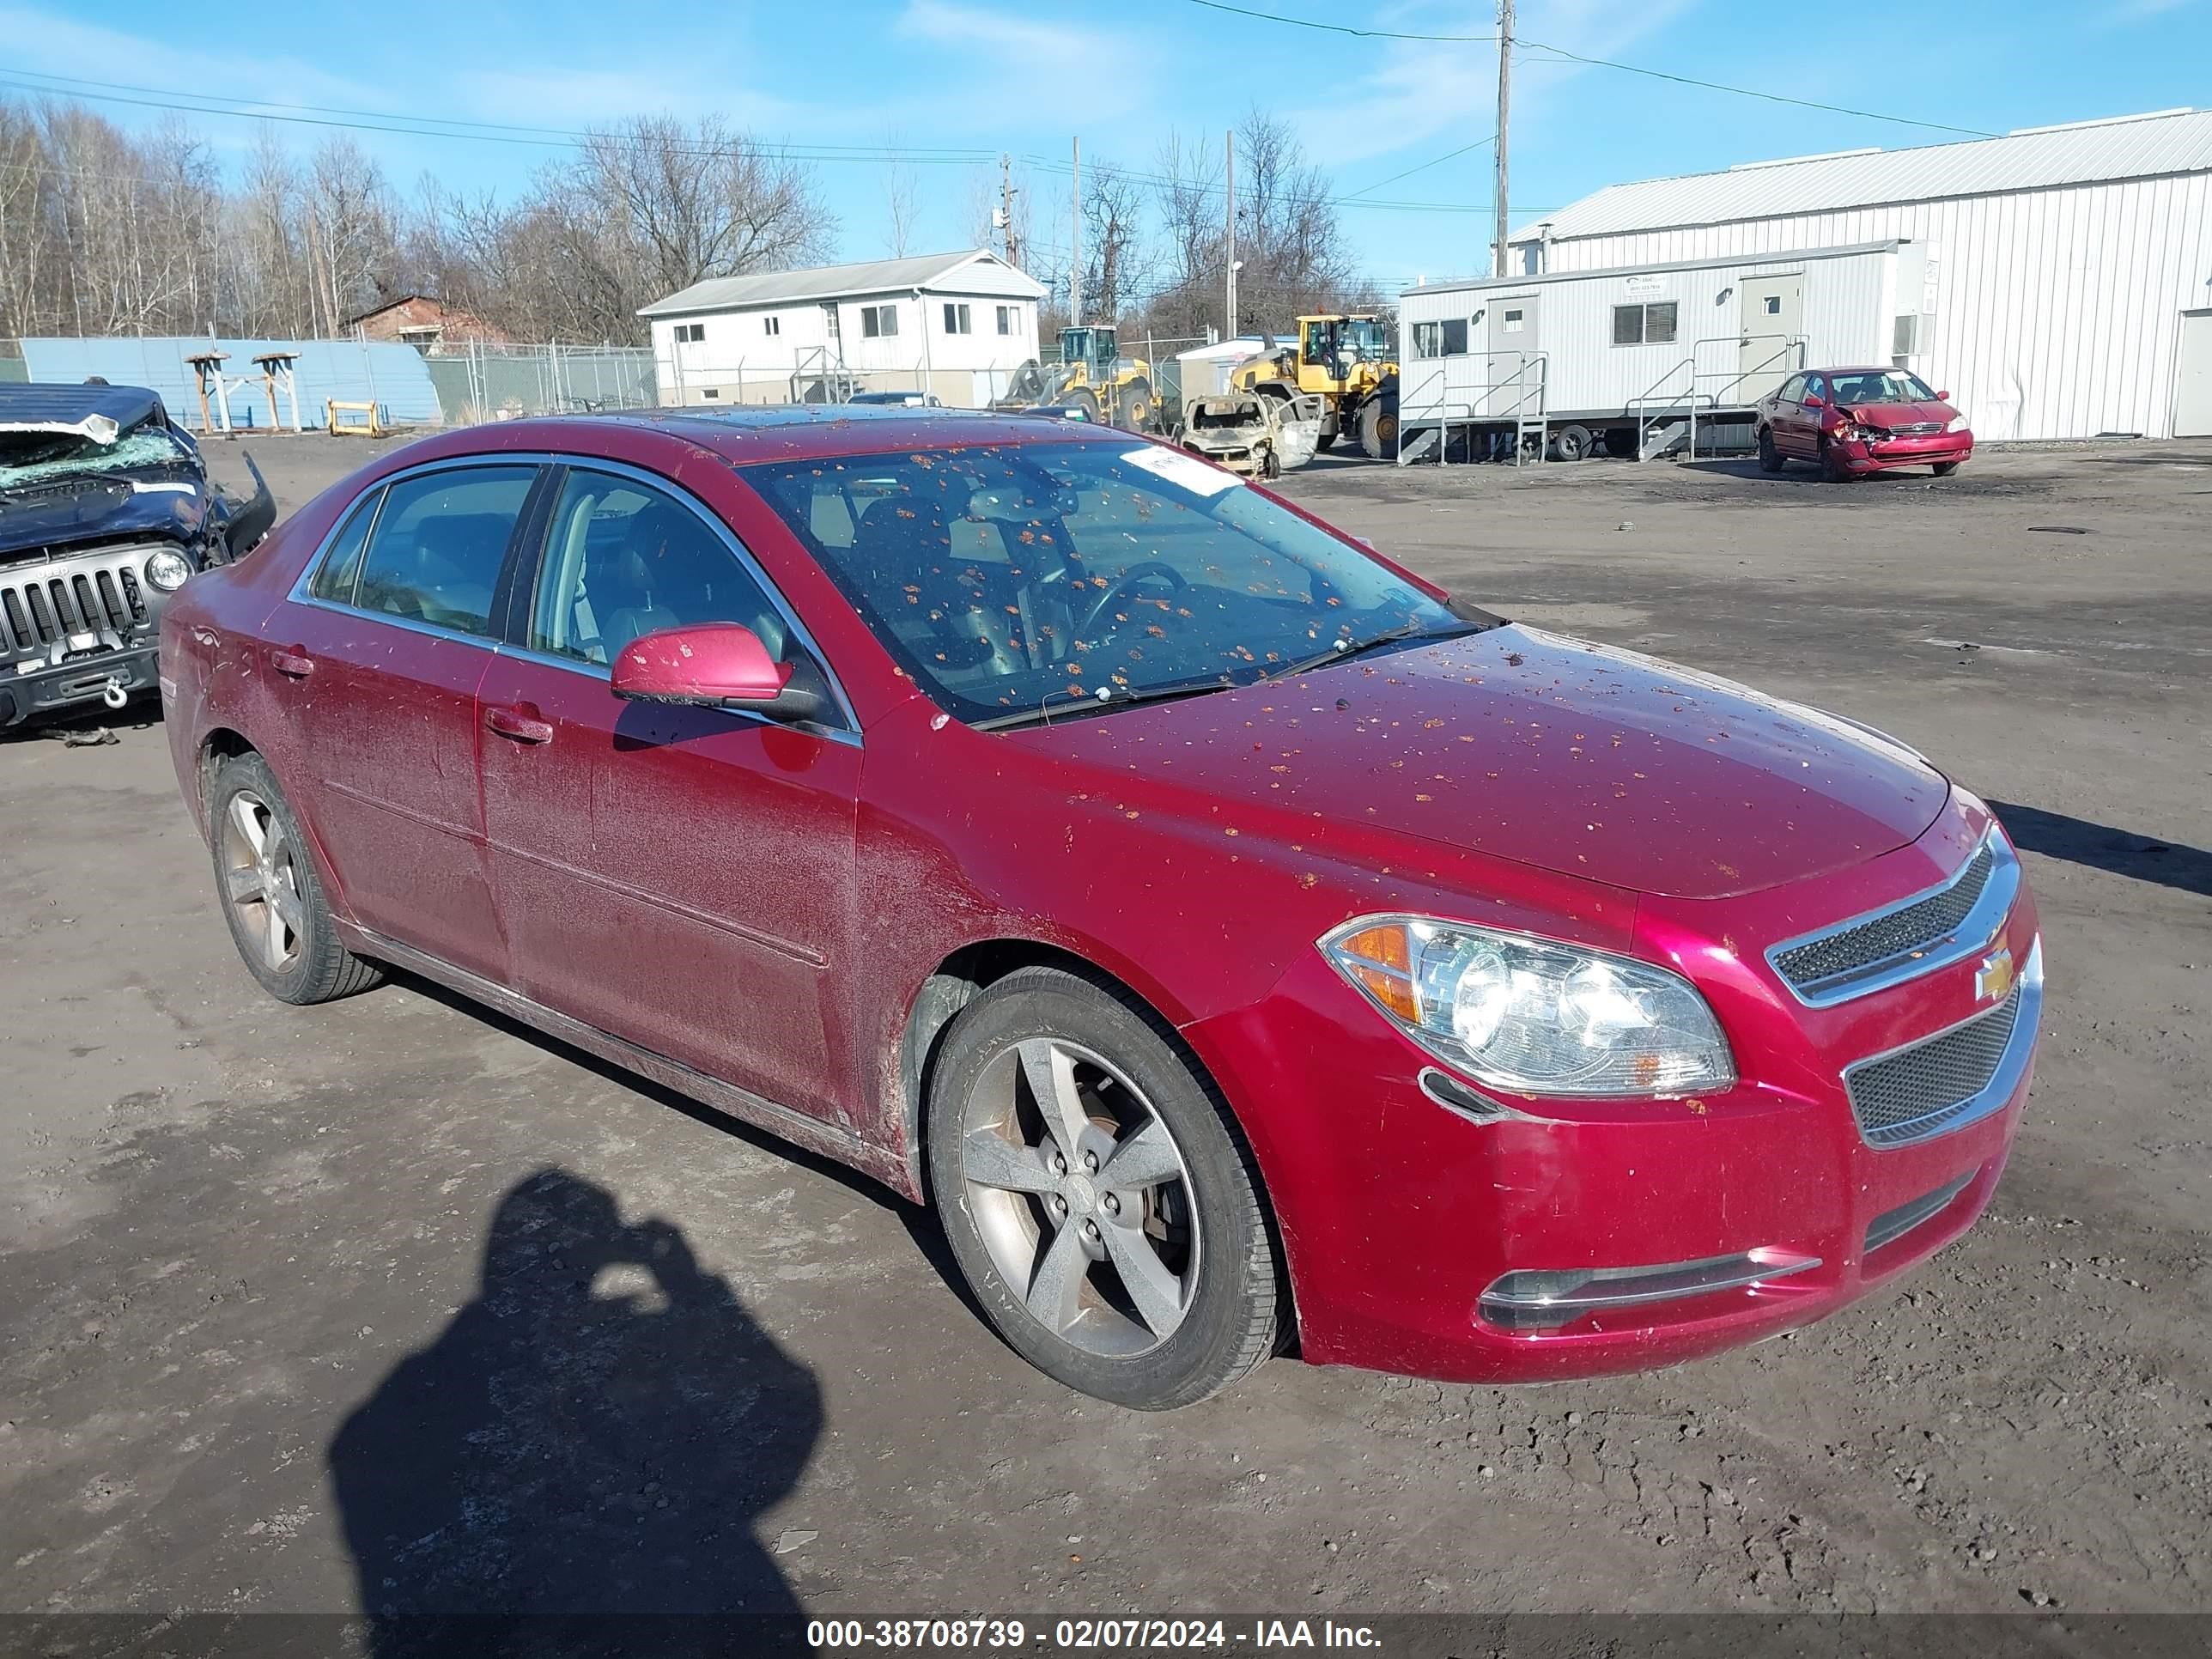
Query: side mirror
{"x": 1814, "y": 402}
{"x": 714, "y": 665}
{"x": 1942, "y": 396}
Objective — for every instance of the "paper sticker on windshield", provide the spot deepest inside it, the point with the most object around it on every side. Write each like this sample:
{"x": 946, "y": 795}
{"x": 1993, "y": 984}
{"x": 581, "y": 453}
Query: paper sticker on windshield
{"x": 1185, "y": 471}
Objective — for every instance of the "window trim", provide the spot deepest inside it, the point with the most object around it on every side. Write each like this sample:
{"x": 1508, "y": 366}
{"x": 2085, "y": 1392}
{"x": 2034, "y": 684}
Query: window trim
{"x": 1642, "y": 308}
{"x": 501, "y": 621}
{"x": 530, "y": 568}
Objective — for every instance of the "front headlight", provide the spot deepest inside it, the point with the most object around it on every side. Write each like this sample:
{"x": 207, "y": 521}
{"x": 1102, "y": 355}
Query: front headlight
{"x": 1532, "y": 1016}
{"x": 168, "y": 571}
{"x": 1958, "y": 424}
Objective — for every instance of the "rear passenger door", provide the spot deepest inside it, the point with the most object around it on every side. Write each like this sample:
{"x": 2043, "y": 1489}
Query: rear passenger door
{"x": 376, "y": 656}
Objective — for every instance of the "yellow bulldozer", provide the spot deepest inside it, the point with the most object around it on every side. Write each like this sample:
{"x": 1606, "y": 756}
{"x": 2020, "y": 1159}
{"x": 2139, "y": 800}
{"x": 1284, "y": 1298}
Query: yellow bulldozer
{"x": 1350, "y": 362}
{"x": 1092, "y": 379}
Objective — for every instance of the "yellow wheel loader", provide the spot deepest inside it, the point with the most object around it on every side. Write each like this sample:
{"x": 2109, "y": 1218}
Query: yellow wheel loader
{"x": 1349, "y": 363}
{"x": 1092, "y": 378}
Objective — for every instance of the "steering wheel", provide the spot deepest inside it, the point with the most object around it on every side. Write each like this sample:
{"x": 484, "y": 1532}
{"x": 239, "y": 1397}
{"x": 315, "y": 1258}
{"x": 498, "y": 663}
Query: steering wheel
{"x": 1129, "y": 578}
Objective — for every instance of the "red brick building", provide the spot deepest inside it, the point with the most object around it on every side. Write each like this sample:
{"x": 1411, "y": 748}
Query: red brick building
{"x": 426, "y": 323}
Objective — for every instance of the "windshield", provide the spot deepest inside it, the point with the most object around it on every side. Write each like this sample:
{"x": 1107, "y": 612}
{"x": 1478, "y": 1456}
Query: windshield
{"x": 30, "y": 458}
{"x": 1010, "y": 579}
{"x": 1369, "y": 338}
{"x": 1882, "y": 387}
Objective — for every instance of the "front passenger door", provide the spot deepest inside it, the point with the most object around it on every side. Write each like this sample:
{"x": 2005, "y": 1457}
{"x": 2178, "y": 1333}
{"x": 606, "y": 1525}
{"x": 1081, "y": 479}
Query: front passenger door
{"x": 681, "y": 877}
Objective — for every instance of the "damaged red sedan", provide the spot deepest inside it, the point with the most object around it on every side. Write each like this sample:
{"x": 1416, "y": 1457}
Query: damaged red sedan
{"x": 1852, "y": 422}
{"x": 1239, "y": 941}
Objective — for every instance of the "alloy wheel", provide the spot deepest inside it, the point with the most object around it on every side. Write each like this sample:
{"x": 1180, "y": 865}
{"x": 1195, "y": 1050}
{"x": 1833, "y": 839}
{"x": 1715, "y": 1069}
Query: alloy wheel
{"x": 1081, "y": 1197}
{"x": 261, "y": 880}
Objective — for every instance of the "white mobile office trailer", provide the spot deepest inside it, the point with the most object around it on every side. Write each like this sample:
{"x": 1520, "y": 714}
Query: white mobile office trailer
{"x": 2064, "y": 273}
{"x": 1643, "y": 359}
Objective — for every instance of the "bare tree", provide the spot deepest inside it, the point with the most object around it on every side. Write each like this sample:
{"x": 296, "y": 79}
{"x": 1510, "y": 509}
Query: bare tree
{"x": 901, "y": 202}
{"x": 1115, "y": 261}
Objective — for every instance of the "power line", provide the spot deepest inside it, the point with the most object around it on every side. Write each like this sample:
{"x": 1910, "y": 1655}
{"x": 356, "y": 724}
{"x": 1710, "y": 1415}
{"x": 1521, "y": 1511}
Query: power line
{"x": 1595, "y": 63}
{"x": 1346, "y": 28}
{"x": 1448, "y": 155}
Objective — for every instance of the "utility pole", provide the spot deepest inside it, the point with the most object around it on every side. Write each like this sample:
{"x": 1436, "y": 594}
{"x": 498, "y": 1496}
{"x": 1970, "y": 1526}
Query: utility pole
{"x": 1504, "y": 105}
{"x": 1229, "y": 236}
{"x": 1075, "y": 247}
{"x": 1013, "y": 243}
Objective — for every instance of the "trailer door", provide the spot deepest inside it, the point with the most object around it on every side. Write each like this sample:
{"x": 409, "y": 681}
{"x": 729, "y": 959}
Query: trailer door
{"x": 1773, "y": 312}
{"x": 1516, "y": 340}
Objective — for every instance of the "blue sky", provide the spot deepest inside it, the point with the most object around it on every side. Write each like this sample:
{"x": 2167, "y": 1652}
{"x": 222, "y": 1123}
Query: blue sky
{"x": 992, "y": 76}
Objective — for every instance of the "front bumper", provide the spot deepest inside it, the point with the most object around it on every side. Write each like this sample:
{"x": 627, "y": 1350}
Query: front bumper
{"x": 1425, "y": 1242}
{"x": 1877, "y": 455}
{"x": 92, "y": 680}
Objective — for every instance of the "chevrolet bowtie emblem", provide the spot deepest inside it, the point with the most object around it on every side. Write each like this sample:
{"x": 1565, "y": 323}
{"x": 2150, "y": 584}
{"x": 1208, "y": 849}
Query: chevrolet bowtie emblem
{"x": 1993, "y": 979}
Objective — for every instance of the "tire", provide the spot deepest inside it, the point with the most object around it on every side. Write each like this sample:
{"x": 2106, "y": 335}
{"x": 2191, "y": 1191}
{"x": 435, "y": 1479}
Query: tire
{"x": 1326, "y": 442}
{"x": 1769, "y": 458}
{"x": 1134, "y": 407}
{"x": 1571, "y": 443}
{"x": 1621, "y": 442}
{"x": 1210, "y": 1307}
{"x": 1831, "y": 468}
{"x": 1944, "y": 469}
{"x": 1378, "y": 429}
{"x": 271, "y": 893}
{"x": 1086, "y": 400}
{"x": 1271, "y": 466}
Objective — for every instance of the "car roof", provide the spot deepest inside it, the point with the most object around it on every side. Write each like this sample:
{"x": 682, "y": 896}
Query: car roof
{"x": 47, "y": 407}
{"x": 1860, "y": 368}
{"x": 778, "y": 432}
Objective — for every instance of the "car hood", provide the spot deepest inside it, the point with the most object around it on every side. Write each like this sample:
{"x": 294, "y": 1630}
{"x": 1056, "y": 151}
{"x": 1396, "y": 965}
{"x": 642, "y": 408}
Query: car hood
{"x": 1573, "y": 758}
{"x": 59, "y": 513}
{"x": 1886, "y": 415}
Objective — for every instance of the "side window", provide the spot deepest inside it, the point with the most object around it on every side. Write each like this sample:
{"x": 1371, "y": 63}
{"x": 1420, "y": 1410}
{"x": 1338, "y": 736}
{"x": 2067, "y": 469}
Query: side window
{"x": 1793, "y": 389}
{"x": 623, "y": 559}
{"x": 335, "y": 576}
{"x": 1816, "y": 387}
{"x": 436, "y": 553}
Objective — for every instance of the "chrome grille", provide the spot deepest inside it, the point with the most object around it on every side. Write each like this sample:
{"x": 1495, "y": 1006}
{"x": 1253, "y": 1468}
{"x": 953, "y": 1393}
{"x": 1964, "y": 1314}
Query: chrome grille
{"x": 1917, "y": 430}
{"x": 1919, "y": 1091}
{"x": 1916, "y": 936}
{"x": 47, "y": 605}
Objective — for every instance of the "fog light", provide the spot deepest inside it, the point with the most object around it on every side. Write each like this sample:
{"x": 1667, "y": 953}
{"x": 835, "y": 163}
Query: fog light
{"x": 168, "y": 571}
{"x": 1546, "y": 1299}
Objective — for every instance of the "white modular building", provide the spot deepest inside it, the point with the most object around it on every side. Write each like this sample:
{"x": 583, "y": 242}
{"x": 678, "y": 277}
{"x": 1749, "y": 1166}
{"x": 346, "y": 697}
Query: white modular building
{"x": 950, "y": 325}
{"x": 2057, "y": 282}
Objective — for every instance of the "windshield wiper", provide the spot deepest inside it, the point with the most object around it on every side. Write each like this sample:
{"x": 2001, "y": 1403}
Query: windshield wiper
{"x": 1079, "y": 708}
{"x": 1345, "y": 650}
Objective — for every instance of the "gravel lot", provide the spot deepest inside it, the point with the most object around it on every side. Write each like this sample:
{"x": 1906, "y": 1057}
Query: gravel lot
{"x": 275, "y": 1283}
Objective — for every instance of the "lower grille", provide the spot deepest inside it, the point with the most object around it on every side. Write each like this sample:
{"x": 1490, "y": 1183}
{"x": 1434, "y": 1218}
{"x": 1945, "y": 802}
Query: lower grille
{"x": 60, "y": 603}
{"x": 1919, "y": 1091}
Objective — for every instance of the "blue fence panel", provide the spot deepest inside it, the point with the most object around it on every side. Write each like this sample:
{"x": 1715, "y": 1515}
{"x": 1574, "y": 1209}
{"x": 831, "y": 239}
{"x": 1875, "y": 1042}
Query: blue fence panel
{"x": 390, "y": 374}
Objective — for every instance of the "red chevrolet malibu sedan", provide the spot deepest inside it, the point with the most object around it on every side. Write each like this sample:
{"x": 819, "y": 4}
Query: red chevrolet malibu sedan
{"x": 1852, "y": 421}
{"x": 1234, "y": 936}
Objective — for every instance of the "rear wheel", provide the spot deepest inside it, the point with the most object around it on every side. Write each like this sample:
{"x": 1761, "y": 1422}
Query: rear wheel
{"x": 1084, "y": 399}
{"x": 1570, "y": 443}
{"x": 271, "y": 896}
{"x": 1769, "y": 458}
{"x": 1135, "y": 406}
{"x": 1098, "y": 1200}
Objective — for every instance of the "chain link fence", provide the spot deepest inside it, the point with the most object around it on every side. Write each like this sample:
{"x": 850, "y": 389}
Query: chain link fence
{"x": 477, "y": 382}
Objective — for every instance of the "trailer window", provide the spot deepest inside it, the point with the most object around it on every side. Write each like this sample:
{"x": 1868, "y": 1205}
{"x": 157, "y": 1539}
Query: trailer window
{"x": 1447, "y": 338}
{"x": 1651, "y": 325}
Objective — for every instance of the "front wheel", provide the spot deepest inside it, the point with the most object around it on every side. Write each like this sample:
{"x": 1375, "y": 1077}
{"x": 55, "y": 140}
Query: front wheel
{"x": 1769, "y": 458}
{"x": 1832, "y": 465}
{"x": 1136, "y": 406}
{"x": 1571, "y": 443}
{"x": 1945, "y": 469}
{"x": 1098, "y": 1199}
{"x": 1378, "y": 429}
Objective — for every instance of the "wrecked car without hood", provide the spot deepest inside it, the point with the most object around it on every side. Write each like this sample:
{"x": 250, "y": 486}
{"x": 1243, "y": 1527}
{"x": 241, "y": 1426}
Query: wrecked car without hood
{"x": 105, "y": 511}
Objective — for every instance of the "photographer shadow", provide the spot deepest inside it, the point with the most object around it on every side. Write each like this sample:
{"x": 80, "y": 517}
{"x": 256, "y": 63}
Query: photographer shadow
{"x": 590, "y": 1440}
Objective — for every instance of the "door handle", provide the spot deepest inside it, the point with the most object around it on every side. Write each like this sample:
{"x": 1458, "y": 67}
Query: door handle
{"x": 516, "y": 724}
{"x": 291, "y": 659}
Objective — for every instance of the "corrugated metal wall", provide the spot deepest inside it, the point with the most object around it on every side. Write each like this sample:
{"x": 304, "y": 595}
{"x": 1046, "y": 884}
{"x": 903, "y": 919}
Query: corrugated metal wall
{"x": 1846, "y": 318}
{"x": 2051, "y": 313}
{"x": 351, "y": 371}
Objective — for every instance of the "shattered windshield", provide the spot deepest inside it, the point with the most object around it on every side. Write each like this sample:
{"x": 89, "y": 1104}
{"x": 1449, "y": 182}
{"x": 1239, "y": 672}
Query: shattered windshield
{"x": 32, "y": 458}
{"x": 1024, "y": 579}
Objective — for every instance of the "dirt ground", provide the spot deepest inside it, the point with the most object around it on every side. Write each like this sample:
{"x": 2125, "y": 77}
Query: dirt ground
{"x": 276, "y": 1281}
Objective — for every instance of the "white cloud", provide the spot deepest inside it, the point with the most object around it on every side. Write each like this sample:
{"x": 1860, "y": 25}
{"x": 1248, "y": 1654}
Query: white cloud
{"x": 1020, "y": 46}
